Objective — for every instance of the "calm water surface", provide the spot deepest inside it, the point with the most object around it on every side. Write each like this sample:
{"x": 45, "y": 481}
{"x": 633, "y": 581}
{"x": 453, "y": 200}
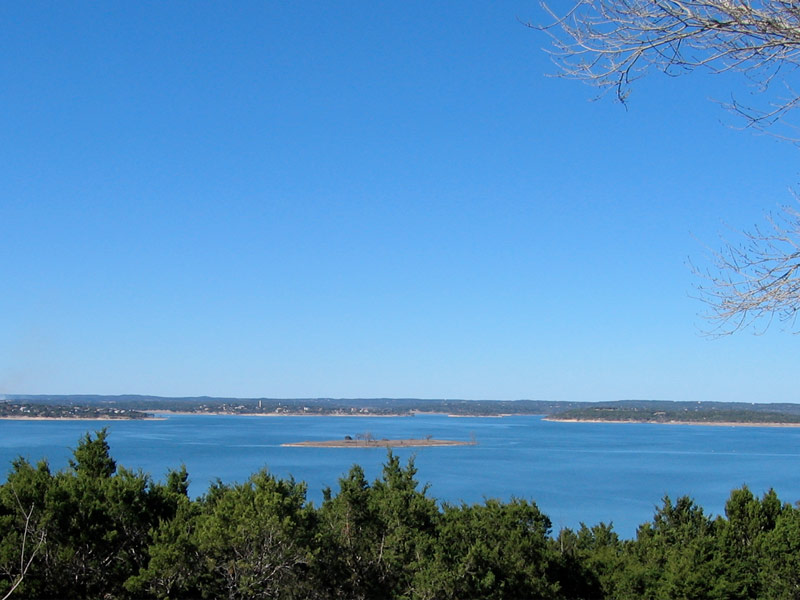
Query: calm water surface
{"x": 575, "y": 472}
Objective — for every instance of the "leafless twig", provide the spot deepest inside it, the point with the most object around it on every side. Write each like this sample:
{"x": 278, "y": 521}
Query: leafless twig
{"x": 757, "y": 281}
{"x": 39, "y": 537}
{"x": 611, "y": 43}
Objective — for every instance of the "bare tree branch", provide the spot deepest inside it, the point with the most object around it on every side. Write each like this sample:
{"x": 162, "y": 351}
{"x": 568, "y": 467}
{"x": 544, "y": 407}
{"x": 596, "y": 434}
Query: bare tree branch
{"x": 611, "y": 43}
{"x": 39, "y": 537}
{"x": 757, "y": 281}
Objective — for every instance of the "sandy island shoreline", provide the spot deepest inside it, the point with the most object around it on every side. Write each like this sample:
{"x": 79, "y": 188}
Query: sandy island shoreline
{"x": 404, "y": 443}
{"x": 706, "y": 423}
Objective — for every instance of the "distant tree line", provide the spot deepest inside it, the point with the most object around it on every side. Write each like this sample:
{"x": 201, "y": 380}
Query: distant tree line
{"x": 67, "y": 411}
{"x": 649, "y": 414}
{"x": 634, "y": 409}
{"x": 305, "y": 406}
{"x": 98, "y": 530}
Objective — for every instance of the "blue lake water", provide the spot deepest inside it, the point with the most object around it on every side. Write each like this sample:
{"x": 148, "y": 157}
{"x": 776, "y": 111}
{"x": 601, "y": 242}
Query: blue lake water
{"x": 575, "y": 472}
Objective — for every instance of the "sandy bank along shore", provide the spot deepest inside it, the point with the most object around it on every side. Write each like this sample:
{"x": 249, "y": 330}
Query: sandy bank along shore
{"x": 405, "y": 443}
{"x": 704, "y": 423}
{"x": 217, "y": 413}
{"x": 78, "y": 418}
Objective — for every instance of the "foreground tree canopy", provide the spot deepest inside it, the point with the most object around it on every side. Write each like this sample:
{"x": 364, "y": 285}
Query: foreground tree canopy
{"x": 611, "y": 43}
{"x": 98, "y": 530}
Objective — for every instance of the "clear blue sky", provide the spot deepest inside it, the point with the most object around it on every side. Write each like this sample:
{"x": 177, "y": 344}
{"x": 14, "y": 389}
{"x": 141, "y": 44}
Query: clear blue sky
{"x": 361, "y": 199}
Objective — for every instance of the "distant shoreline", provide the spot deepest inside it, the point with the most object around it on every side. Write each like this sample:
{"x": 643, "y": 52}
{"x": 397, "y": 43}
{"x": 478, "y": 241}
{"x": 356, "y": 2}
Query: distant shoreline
{"x": 160, "y": 415}
{"x": 705, "y": 423}
{"x": 305, "y": 414}
{"x": 404, "y": 443}
{"x": 106, "y": 418}
{"x": 286, "y": 414}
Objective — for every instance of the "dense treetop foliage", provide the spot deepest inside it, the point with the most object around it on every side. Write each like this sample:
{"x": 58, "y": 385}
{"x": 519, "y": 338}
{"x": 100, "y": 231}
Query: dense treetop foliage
{"x": 99, "y": 530}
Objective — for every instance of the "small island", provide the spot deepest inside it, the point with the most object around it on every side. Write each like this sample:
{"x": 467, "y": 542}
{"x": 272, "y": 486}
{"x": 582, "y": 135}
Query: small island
{"x": 368, "y": 441}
